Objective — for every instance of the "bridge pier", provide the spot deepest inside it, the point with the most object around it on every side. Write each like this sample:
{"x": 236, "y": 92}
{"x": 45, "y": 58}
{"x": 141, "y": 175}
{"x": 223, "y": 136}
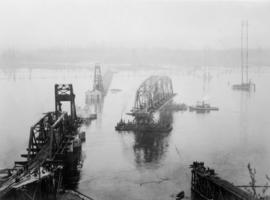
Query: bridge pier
{"x": 97, "y": 94}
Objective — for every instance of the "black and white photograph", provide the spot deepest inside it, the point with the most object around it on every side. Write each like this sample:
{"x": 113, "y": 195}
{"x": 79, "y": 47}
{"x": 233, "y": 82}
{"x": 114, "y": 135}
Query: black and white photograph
{"x": 134, "y": 99}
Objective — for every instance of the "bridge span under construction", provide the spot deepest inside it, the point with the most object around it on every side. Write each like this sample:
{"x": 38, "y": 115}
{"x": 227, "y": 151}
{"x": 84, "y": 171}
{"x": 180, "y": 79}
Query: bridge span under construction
{"x": 53, "y": 151}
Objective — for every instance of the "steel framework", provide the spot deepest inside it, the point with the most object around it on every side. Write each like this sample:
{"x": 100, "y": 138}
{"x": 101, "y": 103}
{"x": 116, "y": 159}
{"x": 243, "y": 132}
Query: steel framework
{"x": 153, "y": 93}
{"x": 64, "y": 92}
{"x": 98, "y": 83}
{"x": 48, "y": 142}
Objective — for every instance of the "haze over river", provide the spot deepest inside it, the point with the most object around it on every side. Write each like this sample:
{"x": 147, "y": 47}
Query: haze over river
{"x": 151, "y": 166}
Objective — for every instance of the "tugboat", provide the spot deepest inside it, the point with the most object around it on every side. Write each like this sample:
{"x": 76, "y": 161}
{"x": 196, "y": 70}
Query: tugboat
{"x": 202, "y": 107}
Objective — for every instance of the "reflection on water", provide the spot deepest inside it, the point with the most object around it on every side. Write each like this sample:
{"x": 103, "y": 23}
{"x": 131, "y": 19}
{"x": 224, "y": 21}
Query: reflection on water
{"x": 116, "y": 163}
{"x": 96, "y": 107}
{"x": 149, "y": 147}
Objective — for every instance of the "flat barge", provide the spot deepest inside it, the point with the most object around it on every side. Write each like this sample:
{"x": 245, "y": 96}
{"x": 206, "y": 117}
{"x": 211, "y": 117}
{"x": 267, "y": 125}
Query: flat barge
{"x": 146, "y": 127}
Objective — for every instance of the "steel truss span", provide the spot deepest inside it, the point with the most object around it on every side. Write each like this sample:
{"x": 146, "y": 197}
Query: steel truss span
{"x": 153, "y": 93}
{"x": 50, "y": 140}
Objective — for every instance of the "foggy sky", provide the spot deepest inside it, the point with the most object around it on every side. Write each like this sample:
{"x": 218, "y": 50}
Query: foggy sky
{"x": 143, "y": 24}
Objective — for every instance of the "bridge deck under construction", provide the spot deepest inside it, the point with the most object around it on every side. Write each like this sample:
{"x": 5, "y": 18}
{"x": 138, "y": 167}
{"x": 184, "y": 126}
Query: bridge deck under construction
{"x": 51, "y": 138}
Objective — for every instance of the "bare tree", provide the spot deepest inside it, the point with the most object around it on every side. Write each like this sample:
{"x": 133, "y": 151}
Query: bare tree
{"x": 252, "y": 187}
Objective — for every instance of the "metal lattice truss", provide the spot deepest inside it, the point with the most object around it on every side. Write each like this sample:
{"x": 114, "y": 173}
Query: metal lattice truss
{"x": 98, "y": 83}
{"x": 49, "y": 139}
{"x": 64, "y": 92}
{"x": 48, "y": 133}
{"x": 153, "y": 93}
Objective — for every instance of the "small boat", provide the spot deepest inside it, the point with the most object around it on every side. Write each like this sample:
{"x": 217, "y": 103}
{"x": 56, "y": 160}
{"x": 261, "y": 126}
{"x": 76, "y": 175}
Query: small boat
{"x": 203, "y": 107}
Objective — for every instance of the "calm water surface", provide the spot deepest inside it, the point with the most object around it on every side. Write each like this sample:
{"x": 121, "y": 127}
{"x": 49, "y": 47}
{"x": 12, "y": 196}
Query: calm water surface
{"x": 154, "y": 166}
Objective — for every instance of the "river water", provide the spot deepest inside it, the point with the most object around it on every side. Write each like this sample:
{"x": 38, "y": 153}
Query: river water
{"x": 151, "y": 166}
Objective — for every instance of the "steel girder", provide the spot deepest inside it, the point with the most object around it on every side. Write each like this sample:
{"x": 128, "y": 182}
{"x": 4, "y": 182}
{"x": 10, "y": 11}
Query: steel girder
{"x": 153, "y": 92}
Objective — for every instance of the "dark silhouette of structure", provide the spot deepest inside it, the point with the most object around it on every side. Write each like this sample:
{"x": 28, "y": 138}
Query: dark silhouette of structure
{"x": 53, "y": 140}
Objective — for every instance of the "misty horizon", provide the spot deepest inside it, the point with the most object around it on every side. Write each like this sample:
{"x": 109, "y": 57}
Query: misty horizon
{"x": 134, "y": 99}
{"x": 82, "y": 57}
{"x": 31, "y": 25}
